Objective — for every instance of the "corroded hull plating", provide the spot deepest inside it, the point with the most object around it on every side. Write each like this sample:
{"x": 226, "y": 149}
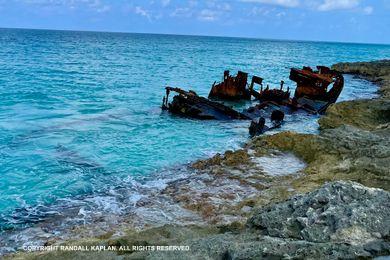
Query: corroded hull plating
{"x": 189, "y": 104}
{"x": 313, "y": 87}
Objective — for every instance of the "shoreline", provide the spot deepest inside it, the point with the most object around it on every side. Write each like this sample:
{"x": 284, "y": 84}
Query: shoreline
{"x": 353, "y": 145}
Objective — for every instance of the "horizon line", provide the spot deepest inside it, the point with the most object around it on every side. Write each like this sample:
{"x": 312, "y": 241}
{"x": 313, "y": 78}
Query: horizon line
{"x": 193, "y": 35}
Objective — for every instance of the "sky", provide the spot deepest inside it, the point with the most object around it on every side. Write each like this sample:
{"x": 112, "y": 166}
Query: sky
{"x": 365, "y": 21}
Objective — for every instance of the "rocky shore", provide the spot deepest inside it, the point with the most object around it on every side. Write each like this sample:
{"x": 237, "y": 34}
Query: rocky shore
{"x": 334, "y": 201}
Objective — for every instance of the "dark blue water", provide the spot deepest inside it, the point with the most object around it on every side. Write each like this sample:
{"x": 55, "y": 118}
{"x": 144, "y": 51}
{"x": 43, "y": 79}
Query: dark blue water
{"x": 80, "y": 111}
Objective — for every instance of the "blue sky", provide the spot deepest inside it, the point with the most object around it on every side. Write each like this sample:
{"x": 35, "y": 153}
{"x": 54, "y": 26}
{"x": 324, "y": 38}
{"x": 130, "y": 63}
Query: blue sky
{"x": 321, "y": 20}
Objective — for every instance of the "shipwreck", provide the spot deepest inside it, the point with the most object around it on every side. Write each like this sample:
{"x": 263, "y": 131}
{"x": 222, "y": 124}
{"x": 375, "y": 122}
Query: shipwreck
{"x": 314, "y": 92}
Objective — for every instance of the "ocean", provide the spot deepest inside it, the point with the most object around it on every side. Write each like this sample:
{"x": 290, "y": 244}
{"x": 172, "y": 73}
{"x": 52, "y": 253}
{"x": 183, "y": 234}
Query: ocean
{"x": 80, "y": 111}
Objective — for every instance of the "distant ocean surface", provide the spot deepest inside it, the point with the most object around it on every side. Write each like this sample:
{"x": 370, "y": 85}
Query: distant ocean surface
{"x": 80, "y": 111}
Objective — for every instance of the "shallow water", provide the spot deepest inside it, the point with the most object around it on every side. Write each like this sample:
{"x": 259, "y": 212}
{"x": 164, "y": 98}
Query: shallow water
{"x": 80, "y": 111}
{"x": 275, "y": 164}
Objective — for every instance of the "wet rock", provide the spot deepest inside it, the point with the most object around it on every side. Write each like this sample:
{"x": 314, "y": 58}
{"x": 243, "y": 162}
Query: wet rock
{"x": 203, "y": 164}
{"x": 365, "y": 114}
{"x": 230, "y": 158}
{"x": 376, "y": 71}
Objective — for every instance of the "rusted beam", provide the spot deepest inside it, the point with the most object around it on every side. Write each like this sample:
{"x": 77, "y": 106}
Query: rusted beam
{"x": 189, "y": 104}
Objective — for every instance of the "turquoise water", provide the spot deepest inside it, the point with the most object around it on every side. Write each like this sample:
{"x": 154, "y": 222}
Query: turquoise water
{"x": 80, "y": 111}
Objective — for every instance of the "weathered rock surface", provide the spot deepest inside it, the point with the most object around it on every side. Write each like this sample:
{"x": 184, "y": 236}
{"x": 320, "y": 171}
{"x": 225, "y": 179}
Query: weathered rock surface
{"x": 343, "y": 153}
{"x": 344, "y": 212}
{"x": 376, "y": 71}
{"x": 369, "y": 114}
{"x": 364, "y": 114}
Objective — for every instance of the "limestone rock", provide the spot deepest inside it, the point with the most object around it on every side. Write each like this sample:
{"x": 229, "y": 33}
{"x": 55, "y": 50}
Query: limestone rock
{"x": 341, "y": 211}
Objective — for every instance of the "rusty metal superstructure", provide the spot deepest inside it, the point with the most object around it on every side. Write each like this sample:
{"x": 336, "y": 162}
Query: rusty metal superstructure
{"x": 232, "y": 87}
{"x": 313, "y": 94}
{"x": 276, "y": 95}
{"x": 313, "y": 87}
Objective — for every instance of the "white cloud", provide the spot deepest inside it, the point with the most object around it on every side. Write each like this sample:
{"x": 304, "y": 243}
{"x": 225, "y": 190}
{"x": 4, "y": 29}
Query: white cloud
{"x": 284, "y": 3}
{"x": 207, "y": 15}
{"x": 260, "y": 11}
{"x": 140, "y": 11}
{"x": 328, "y": 5}
{"x": 215, "y": 11}
{"x": 368, "y": 10}
{"x": 96, "y": 5}
{"x": 148, "y": 13}
{"x": 181, "y": 12}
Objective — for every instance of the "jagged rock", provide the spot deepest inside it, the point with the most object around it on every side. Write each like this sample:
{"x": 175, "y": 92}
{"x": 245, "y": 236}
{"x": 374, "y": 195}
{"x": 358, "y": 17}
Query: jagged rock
{"x": 343, "y": 212}
{"x": 376, "y": 71}
{"x": 343, "y": 153}
{"x": 230, "y": 158}
{"x": 365, "y": 114}
{"x": 378, "y": 68}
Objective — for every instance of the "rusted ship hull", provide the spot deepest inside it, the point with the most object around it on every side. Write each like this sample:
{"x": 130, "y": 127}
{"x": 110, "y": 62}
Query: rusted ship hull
{"x": 312, "y": 94}
{"x": 313, "y": 87}
{"x": 189, "y": 104}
